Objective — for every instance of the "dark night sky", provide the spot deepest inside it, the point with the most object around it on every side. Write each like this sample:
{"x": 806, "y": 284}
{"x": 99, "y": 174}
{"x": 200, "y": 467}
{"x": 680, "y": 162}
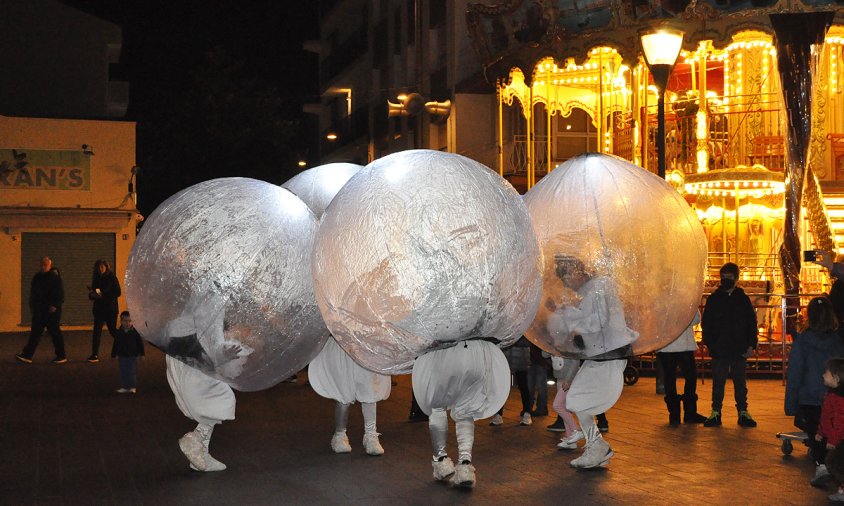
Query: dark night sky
{"x": 165, "y": 41}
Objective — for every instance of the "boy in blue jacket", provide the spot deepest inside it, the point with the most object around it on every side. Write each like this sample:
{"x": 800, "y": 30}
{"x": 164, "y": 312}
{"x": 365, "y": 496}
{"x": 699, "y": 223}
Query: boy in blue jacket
{"x": 128, "y": 346}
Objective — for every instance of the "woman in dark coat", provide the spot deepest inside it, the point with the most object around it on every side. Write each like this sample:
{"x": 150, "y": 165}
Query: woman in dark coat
{"x": 104, "y": 291}
{"x": 804, "y": 391}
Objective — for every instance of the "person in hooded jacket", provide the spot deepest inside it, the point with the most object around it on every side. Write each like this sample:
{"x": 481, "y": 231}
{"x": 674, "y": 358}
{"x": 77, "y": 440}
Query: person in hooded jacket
{"x": 730, "y": 334}
{"x": 804, "y": 392}
{"x": 104, "y": 291}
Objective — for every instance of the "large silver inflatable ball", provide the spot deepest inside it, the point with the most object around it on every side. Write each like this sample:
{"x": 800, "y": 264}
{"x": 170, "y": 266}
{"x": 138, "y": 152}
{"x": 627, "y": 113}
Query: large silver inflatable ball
{"x": 624, "y": 259}
{"x": 420, "y": 250}
{"x": 318, "y": 186}
{"x": 219, "y": 277}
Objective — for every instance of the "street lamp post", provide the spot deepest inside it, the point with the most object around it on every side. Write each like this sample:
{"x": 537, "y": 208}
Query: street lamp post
{"x": 661, "y": 49}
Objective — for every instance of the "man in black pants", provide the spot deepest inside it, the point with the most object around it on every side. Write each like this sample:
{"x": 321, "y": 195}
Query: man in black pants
{"x": 46, "y": 296}
{"x": 730, "y": 334}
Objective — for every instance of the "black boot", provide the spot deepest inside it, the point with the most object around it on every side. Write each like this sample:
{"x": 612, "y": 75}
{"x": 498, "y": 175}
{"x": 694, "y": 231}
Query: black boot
{"x": 690, "y": 414}
{"x": 673, "y": 403}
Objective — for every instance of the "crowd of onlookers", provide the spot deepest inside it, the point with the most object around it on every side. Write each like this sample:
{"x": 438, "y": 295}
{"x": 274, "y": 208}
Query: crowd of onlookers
{"x": 46, "y": 297}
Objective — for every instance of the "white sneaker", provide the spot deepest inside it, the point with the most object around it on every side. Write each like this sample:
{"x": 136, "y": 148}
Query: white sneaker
{"x": 595, "y": 454}
{"x": 570, "y": 442}
{"x": 123, "y": 390}
{"x": 372, "y": 445}
{"x": 443, "y": 468}
{"x": 193, "y": 449}
{"x": 837, "y": 497}
{"x": 526, "y": 420}
{"x": 821, "y": 476}
{"x": 340, "y": 443}
{"x": 496, "y": 420}
{"x": 464, "y": 476}
{"x": 212, "y": 464}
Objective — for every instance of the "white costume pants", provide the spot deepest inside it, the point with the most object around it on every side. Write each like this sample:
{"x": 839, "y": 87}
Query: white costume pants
{"x": 200, "y": 397}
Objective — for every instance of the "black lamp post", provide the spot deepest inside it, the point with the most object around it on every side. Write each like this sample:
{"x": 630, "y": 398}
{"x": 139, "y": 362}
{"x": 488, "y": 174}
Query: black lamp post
{"x": 661, "y": 49}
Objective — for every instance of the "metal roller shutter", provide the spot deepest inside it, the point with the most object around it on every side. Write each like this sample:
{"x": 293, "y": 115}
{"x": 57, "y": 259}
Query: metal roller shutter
{"x": 74, "y": 255}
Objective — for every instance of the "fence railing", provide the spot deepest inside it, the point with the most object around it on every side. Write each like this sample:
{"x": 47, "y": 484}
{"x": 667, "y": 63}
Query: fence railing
{"x": 771, "y": 354}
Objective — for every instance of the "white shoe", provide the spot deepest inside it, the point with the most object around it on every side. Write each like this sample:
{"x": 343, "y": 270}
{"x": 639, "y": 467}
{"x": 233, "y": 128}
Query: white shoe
{"x": 464, "y": 476}
{"x": 496, "y": 420}
{"x": 443, "y": 468}
{"x": 123, "y": 390}
{"x": 340, "y": 443}
{"x": 821, "y": 476}
{"x": 526, "y": 419}
{"x": 372, "y": 445}
{"x": 212, "y": 464}
{"x": 192, "y": 447}
{"x": 570, "y": 442}
{"x": 595, "y": 454}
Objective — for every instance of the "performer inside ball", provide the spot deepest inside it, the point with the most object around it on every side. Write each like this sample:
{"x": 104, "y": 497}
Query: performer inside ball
{"x": 595, "y": 326}
{"x": 334, "y": 375}
{"x": 201, "y": 397}
{"x": 472, "y": 379}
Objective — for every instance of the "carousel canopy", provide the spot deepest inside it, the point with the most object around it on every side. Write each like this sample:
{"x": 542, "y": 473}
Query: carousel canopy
{"x": 519, "y": 33}
{"x": 756, "y": 181}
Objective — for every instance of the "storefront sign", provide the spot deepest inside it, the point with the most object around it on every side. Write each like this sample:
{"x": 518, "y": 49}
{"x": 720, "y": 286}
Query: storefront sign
{"x": 34, "y": 169}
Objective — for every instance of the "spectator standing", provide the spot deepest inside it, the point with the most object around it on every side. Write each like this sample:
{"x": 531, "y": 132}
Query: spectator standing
{"x": 128, "y": 346}
{"x": 46, "y": 295}
{"x": 518, "y": 358}
{"x": 730, "y": 334}
{"x": 831, "y": 427}
{"x": 104, "y": 291}
{"x": 681, "y": 352}
{"x": 538, "y": 381}
{"x": 804, "y": 391}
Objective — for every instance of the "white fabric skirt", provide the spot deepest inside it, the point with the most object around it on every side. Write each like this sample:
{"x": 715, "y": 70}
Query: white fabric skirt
{"x": 596, "y": 386}
{"x": 200, "y": 397}
{"x": 334, "y": 375}
{"x": 472, "y": 379}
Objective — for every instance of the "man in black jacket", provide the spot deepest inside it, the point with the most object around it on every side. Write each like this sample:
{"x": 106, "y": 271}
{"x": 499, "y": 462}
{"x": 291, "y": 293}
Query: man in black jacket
{"x": 46, "y": 296}
{"x": 730, "y": 334}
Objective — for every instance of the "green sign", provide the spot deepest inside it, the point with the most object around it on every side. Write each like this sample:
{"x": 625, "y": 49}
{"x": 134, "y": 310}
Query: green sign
{"x": 35, "y": 169}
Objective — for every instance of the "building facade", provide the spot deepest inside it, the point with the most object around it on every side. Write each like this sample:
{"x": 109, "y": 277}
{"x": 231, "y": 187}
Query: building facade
{"x": 397, "y": 75}
{"x": 67, "y": 168}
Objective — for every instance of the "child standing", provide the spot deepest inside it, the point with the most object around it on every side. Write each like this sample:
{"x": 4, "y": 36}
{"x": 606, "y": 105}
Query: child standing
{"x": 128, "y": 346}
{"x": 831, "y": 427}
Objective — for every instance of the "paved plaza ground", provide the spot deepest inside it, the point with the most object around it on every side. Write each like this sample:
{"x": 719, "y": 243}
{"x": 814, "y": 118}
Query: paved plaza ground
{"x": 67, "y": 438}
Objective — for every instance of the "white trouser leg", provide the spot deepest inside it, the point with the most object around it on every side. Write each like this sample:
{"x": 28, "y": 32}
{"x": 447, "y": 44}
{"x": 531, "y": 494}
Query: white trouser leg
{"x": 204, "y": 430}
{"x": 587, "y": 425}
{"x": 465, "y": 439}
{"x": 369, "y": 411}
{"x": 438, "y": 425}
{"x": 341, "y": 417}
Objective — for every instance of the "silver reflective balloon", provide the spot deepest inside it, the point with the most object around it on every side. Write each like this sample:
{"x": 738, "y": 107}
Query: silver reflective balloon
{"x": 318, "y": 185}
{"x": 624, "y": 259}
{"x": 419, "y": 250}
{"x": 219, "y": 277}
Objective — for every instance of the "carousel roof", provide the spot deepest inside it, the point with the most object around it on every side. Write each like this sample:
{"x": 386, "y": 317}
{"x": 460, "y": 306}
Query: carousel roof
{"x": 519, "y": 33}
{"x": 755, "y": 180}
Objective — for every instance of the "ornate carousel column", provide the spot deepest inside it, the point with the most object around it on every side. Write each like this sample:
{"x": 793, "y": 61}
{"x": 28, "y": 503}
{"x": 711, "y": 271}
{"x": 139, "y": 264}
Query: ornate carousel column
{"x": 796, "y": 34}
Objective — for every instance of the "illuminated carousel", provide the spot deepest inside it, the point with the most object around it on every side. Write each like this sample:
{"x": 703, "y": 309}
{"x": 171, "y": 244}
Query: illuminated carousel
{"x": 752, "y": 115}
